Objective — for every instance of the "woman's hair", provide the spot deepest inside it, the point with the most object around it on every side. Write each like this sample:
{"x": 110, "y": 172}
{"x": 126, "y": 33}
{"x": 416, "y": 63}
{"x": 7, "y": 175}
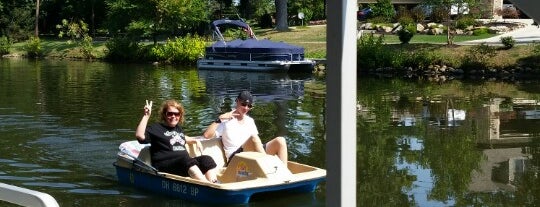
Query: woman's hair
{"x": 174, "y": 104}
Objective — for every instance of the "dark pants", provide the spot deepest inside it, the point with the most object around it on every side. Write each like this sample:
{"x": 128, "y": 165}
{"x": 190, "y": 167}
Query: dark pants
{"x": 180, "y": 165}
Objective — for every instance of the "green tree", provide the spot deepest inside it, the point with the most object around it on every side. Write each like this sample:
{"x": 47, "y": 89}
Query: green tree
{"x": 312, "y": 9}
{"x": 16, "y": 19}
{"x": 78, "y": 32}
{"x": 383, "y": 9}
{"x": 153, "y": 18}
{"x": 53, "y": 11}
{"x": 456, "y": 8}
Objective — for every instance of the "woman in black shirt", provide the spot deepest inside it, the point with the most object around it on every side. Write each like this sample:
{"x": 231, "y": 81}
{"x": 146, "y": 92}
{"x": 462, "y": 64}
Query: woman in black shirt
{"x": 168, "y": 144}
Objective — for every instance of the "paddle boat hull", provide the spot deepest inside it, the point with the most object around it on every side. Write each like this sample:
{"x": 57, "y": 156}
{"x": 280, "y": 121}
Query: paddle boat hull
{"x": 247, "y": 174}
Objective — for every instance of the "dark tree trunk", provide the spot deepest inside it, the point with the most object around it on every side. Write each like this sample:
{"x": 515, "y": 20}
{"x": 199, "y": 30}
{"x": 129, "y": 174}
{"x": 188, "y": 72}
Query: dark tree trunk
{"x": 281, "y": 15}
{"x": 36, "y": 29}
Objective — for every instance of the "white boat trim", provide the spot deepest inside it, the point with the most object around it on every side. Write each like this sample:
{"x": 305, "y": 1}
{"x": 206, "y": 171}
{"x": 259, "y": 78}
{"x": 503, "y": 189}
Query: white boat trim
{"x": 246, "y": 65}
{"x": 26, "y": 197}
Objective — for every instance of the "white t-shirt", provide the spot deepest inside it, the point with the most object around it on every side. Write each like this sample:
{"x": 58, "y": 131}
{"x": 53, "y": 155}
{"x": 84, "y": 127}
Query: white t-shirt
{"x": 234, "y": 135}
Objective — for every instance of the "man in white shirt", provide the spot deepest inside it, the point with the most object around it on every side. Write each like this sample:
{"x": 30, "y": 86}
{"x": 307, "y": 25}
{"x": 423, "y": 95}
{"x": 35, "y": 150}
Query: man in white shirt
{"x": 239, "y": 133}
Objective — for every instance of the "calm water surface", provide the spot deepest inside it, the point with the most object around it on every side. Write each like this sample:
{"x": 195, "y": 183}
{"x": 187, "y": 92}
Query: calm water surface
{"x": 61, "y": 123}
{"x": 419, "y": 143}
{"x": 451, "y": 144}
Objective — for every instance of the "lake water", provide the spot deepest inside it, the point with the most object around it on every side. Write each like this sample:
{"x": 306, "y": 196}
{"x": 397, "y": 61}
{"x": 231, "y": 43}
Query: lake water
{"x": 457, "y": 143}
{"x": 61, "y": 123}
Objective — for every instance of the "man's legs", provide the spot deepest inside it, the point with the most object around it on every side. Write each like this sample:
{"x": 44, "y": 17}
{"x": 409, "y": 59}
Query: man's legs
{"x": 253, "y": 144}
{"x": 278, "y": 146}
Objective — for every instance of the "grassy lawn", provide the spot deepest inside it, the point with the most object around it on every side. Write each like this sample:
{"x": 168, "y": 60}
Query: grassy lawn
{"x": 312, "y": 38}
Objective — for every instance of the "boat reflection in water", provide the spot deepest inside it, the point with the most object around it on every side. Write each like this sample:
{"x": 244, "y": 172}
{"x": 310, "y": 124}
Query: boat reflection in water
{"x": 266, "y": 87}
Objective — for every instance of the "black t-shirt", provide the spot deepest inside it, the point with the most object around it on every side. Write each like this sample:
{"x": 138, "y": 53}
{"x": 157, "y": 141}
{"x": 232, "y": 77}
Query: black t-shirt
{"x": 166, "y": 142}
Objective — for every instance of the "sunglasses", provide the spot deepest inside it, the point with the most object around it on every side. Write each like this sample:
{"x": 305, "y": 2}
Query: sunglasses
{"x": 170, "y": 114}
{"x": 247, "y": 104}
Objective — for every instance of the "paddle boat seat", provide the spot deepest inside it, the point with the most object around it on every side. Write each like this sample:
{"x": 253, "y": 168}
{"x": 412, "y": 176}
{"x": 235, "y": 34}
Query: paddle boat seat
{"x": 211, "y": 147}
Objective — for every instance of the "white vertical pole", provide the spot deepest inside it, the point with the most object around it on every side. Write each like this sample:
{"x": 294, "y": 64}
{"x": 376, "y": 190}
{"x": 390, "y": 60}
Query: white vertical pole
{"x": 341, "y": 103}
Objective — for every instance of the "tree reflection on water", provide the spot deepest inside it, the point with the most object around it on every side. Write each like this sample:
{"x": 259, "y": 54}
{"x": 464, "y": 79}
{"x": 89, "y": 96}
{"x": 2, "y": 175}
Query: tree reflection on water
{"x": 413, "y": 152}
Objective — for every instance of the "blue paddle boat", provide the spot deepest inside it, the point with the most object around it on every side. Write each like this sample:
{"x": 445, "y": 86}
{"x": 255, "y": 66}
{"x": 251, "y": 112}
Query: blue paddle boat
{"x": 248, "y": 173}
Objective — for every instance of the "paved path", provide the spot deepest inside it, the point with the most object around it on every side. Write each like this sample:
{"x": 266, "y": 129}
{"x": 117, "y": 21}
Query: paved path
{"x": 524, "y": 35}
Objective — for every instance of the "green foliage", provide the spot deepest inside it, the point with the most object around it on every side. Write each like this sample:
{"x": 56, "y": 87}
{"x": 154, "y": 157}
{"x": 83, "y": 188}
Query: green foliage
{"x": 439, "y": 14}
{"x": 313, "y": 9}
{"x": 536, "y": 48}
{"x": 534, "y": 59}
{"x": 77, "y": 32}
{"x": 383, "y": 9}
{"x": 261, "y": 7}
{"x": 418, "y": 15}
{"x": 156, "y": 18}
{"x": 372, "y": 54}
{"x": 378, "y": 20}
{"x": 406, "y": 33}
{"x": 478, "y": 56}
{"x": 403, "y": 13}
{"x": 408, "y": 29}
{"x": 480, "y": 31}
{"x": 5, "y": 45}
{"x": 122, "y": 49}
{"x": 17, "y": 20}
{"x": 33, "y": 47}
{"x": 464, "y": 22}
{"x": 308, "y": 14}
{"x": 407, "y": 21}
{"x": 265, "y": 21}
{"x": 421, "y": 59}
{"x": 179, "y": 50}
{"x": 232, "y": 34}
{"x": 508, "y": 42}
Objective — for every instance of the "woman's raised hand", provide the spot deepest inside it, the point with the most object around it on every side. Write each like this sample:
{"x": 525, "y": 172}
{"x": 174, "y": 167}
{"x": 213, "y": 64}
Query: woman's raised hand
{"x": 148, "y": 108}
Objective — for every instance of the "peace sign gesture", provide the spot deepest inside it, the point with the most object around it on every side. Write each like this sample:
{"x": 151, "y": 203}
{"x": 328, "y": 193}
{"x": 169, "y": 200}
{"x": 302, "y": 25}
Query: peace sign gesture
{"x": 148, "y": 108}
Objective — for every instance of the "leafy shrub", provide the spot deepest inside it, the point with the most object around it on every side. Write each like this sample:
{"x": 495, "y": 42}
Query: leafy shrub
{"x": 480, "y": 31}
{"x": 439, "y": 14}
{"x": 122, "y": 49}
{"x": 372, "y": 54}
{"x": 508, "y": 12}
{"x": 378, "y": 20}
{"x": 308, "y": 15}
{"x": 508, "y": 42}
{"x": 180, "y": 50}
{"x": 265, "y": 21}
{"x": 536, "y": 48}
{"x": 465, "y": 22}
{"x": 406, "y": 33}
{"x": 478, "y": 56}
{"x": 33, "y": 47}
{"x": 402, "y": 13}
{"x": 384, "y": 9}
{"x": 406, "y": 21}
{"x": 418, "y": 14}
{"x": 77, "y": 32}
{"x": 421, "y": 59}
{"x": 5, "y": 45}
